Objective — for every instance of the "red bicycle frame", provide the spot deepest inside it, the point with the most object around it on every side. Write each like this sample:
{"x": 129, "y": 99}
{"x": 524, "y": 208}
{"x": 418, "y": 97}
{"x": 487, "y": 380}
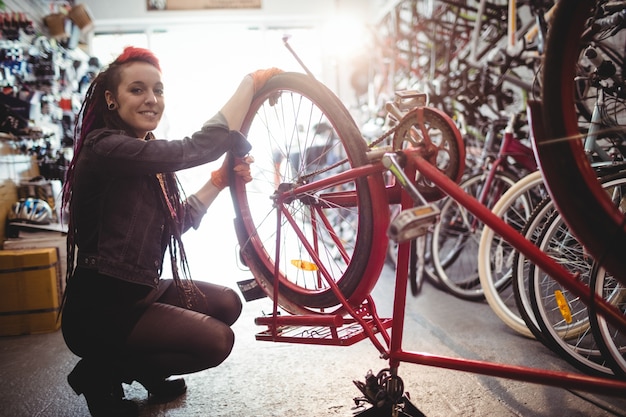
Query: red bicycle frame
{"x": 351, "y": 324}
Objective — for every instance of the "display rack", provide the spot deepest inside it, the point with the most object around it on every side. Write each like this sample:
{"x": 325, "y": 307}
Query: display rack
{"x": 43, "y": 74}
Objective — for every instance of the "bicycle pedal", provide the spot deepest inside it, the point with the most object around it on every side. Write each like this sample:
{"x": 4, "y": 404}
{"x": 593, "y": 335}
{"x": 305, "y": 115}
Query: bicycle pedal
{"x": 413, "y": 223}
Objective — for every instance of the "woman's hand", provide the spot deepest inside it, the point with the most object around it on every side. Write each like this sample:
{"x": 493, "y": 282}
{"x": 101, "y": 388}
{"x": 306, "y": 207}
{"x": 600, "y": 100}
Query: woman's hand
{"x": 242, "y": 168}
{"x": 235, "y": 109}
{"x": 219, "y": 178}
{"x": 261, "y": 76}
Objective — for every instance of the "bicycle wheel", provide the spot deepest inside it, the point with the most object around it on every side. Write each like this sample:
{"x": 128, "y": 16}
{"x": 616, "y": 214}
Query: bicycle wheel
{"x": 562, "y": 317}
{"x": 572, "y": 182}
{"x": 456, "y": 238}
{"x": 299, "y": 226}
{"x": 522, "y": 267}
{"x": 496, "y": 255}
{"x": 611, "y": 340}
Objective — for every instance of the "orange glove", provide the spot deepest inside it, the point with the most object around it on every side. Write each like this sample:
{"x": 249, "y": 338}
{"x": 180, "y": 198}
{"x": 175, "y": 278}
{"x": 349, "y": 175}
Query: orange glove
{"x": 219, "y": 178}
{"x": 261, "y": 76}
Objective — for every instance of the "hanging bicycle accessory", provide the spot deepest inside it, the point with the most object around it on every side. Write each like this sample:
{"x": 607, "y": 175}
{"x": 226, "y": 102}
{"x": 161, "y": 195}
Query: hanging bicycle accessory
{"x": 31, "y": 210}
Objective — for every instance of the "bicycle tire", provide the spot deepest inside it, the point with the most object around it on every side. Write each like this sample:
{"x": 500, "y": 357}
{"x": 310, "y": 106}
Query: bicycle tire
{"x": 337, "y": 225}
{"x": 522, "y": 267}
{"x": 495, "y": 255}
{"x": 569, "y": 176}
{"x": 456, "y": 238}
{"x": 563, "y": 318}
{"x": 612, "y": 341}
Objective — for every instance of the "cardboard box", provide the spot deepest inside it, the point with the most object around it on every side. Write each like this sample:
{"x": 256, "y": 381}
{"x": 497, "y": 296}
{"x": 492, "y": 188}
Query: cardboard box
{"x": 42, "y": 239}
{"x": 8, "y": 196}
{"x": 30, "y": 291}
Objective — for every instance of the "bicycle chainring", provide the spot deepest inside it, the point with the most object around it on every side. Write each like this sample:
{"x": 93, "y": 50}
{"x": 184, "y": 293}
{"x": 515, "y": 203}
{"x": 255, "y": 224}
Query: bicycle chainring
{"x": 438, "y": 141}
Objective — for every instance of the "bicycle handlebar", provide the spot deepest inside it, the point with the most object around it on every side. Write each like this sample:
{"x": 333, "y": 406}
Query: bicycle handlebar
{"x": 617, "y": 19}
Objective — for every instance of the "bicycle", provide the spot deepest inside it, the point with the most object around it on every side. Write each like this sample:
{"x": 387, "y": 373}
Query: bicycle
{"x": 455, "y": 242}
{"x": 436, "y": 46}
{"x": 594, "y": 52}
{"x": 327, "y": 298}
{"x": 332, "y": 303}
{"x": 567, "y": 179}
{"x": 603, "y": 150}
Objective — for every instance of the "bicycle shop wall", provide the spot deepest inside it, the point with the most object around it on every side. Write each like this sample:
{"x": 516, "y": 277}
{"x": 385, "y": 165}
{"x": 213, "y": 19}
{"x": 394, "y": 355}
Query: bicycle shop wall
{"x": 43, "y": 68}
{"x": 331, "y": 24}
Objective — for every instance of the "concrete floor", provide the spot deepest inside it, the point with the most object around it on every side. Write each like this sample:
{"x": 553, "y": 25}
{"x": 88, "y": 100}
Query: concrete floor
{"x": 265, "y": 379}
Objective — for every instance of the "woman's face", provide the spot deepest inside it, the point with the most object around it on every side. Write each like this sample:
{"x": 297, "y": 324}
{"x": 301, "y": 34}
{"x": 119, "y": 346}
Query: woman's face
{"x": 139, "y": 99}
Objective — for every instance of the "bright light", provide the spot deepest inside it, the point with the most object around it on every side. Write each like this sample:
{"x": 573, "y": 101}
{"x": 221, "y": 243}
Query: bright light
{"x": 202, "y": 66}
{"x": 344, "y": 36}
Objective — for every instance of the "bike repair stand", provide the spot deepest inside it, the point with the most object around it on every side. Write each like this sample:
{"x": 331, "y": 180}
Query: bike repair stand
{"x": 385, "y": 391}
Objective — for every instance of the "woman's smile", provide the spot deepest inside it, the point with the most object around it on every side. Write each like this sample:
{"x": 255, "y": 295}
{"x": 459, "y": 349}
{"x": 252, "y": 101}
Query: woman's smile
{"x": 140, "y": 97}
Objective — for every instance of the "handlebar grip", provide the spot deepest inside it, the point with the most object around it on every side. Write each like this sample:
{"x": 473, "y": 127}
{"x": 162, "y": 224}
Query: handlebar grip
{"x": 616, "y": 19}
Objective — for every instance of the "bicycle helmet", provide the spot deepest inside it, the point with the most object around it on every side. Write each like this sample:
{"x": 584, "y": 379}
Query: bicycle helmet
{"x": 32, "y": 210}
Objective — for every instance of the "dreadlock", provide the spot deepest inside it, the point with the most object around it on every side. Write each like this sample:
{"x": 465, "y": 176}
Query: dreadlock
{"x": 94, "y": 114}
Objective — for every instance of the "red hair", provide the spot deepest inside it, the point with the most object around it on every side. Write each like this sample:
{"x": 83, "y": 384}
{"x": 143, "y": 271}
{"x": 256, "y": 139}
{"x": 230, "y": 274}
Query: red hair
{"x": 132, "y": 53}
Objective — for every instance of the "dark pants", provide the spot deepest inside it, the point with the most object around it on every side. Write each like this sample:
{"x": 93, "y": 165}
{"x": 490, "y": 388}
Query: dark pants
{"x": 148, "y": 333}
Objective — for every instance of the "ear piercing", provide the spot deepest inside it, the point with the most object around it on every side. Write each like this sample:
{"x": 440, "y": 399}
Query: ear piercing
{"x": 111, "y": 106}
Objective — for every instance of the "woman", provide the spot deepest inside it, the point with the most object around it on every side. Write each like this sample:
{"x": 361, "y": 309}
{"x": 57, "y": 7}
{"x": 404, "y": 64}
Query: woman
{"x": 125, "y": 210}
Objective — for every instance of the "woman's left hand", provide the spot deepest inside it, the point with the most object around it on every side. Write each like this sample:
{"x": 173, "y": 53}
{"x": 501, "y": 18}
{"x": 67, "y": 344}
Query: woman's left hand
{"x": 241, "y": 168}
{"x": 261, "y": 76}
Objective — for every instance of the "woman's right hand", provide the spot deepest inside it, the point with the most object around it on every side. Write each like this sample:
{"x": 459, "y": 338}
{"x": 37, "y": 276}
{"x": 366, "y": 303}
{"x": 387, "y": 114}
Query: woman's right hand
{"x": 241, "y": 167}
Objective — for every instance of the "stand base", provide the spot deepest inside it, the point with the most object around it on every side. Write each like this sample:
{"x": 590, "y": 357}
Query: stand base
{"x": 404, "y": 407}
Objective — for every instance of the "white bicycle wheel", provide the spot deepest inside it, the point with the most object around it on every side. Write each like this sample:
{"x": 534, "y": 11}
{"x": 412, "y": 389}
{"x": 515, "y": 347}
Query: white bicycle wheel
{"x": 495, "y": 255}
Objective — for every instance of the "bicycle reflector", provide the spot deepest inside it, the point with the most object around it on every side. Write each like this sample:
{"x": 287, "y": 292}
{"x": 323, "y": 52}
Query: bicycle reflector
{"x": 561, "y": 302}
{"x": 304, "y": 265}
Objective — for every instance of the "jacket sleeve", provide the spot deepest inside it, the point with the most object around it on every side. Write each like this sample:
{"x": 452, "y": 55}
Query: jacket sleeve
{"x": 115, "y": 153}
{"x": 194, "y": 211}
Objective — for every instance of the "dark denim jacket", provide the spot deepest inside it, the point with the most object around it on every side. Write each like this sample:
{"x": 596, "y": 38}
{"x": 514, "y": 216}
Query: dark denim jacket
{"x": 119, "y": 220}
